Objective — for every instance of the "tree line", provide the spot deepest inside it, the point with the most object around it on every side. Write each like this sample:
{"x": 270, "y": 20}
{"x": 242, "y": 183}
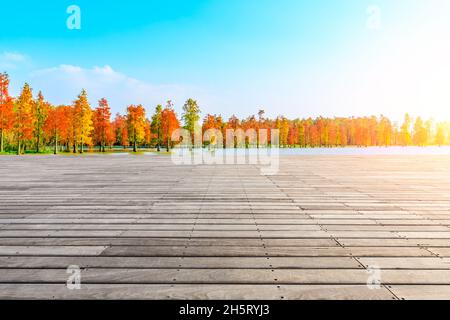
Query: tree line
{"x": 29, "y": 123}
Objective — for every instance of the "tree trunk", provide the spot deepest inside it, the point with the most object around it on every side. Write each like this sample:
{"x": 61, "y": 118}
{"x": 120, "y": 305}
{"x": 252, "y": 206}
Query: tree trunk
{"x": 55, "y": 151}
{"x": 168, "y": 145}
{"x": 81, "y": 146}
{"x": 38, "y": 141}
{"x": 18, "y": 147}
{"x": 158, "y": 147}
{"x": 134, "y": 146}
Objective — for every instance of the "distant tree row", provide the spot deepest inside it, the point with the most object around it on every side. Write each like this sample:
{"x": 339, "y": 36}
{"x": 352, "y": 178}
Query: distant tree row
{"x": 32, "y": 124}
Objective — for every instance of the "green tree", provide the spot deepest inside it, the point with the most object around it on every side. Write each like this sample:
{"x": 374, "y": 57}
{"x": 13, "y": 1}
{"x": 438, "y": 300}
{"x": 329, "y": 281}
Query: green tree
{"x": 191, "y": 116}
{"x": 40, "y": 113}
{"x": 156, "y": 125}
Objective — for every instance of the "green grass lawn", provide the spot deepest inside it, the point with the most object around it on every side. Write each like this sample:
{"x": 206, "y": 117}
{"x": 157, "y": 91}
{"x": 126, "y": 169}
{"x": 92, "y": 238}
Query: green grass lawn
{"x": 89, "y": 152}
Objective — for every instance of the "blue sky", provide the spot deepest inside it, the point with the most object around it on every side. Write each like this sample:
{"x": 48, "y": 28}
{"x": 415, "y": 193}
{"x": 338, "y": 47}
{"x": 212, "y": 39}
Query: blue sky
{"x": 292, "y": 57}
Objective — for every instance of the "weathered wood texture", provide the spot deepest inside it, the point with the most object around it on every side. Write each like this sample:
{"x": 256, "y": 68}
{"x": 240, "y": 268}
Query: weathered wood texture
{"x": 140, "y": 227}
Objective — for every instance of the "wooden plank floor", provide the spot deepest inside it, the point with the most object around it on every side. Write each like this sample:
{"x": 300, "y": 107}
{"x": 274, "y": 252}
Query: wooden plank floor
{"x": 140, "y": 227}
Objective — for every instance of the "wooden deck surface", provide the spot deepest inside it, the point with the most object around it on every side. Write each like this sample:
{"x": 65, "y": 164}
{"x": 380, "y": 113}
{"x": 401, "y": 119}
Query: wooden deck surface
{"x": 140, "y": 227}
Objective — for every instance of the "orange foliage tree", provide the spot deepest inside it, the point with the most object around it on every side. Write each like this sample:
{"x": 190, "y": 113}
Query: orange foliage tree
{"x": 56, "y": 126}
{"x": 6, "y": 109}
{"x": 102, "y": 124}
{"x": 213, "y": 122}
{"x": 136, "y": 124}
{"x": 148, "y": 135}
{"x": 23, "y": 117}
{"x": 169, "y": 123}
{"x": 121, "y": 130}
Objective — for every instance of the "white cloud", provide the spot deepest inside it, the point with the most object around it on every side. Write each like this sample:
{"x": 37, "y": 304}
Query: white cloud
{"x": 11, "y": 60}
{"x": 63, "y": 83}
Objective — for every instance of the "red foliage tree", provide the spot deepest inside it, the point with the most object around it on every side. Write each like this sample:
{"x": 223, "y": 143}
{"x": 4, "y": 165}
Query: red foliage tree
{"x": 121, "y": 130}
{"x": 169, "y": 123}
{"x": 136, "y": 124}
{"x": 6, "y": 108}
{"x": 102, "y": 124}
{"x": 57, "y": 124}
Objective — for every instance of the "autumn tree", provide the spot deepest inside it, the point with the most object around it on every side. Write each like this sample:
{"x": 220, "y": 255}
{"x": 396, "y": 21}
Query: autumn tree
{"x": 23, "y": 117}
{"x": 420, "y": 133}
{"x": 56, "y": 125}
{"x": 6, "y": 109}
{"x": 156, "y": 125}
{"x": 70, "y": 138}
{"x": 405, "y": 131}
{"x": 428, "y": 132}
{"x": 40, "y": 113}
{"x": 301, "y": 137}
{"x": 213, "y": 122}
{"x": 233, "y": 124}
{"x": 82, "y": 121}
{"x": 282, "y": 124}
{"x": 102, "y": 124}
{"x": 384, "y": 131}
{"x": 110, "y": 136}
{"x": 169, "y": 123}
{"x": 136, "y": 124}
{"x": 293, "y": 134}
{"x": 121, "y": 130}
{"x": 251, "y": 124}
{"x": 148, "y": 132}
{"x": 440, "y": 134}
{"x": 66, "y": 133}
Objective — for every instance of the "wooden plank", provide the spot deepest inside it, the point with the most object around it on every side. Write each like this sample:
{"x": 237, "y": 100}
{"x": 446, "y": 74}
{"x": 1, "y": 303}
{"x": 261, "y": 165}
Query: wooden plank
{"x": 428, "y": 263}
{"x": 192, "y": 292}
{"x": 163, "y": 227}
{"x": 56, "y": 241}
{"x": 267, "y": 251}
{"x": 228, "y": 251}
{"x": 59, "y": 233}
{"x": 393, "y": 242}
{"x": 425, "y": 235}
{"x": 51, "y": 250}
{"x": 51, "y": 262}
{"x": 441, "y": 252}
{"x": 390, "y": 228}
{"x": 226, "y": 276}
{"x": 421, "y": 292}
